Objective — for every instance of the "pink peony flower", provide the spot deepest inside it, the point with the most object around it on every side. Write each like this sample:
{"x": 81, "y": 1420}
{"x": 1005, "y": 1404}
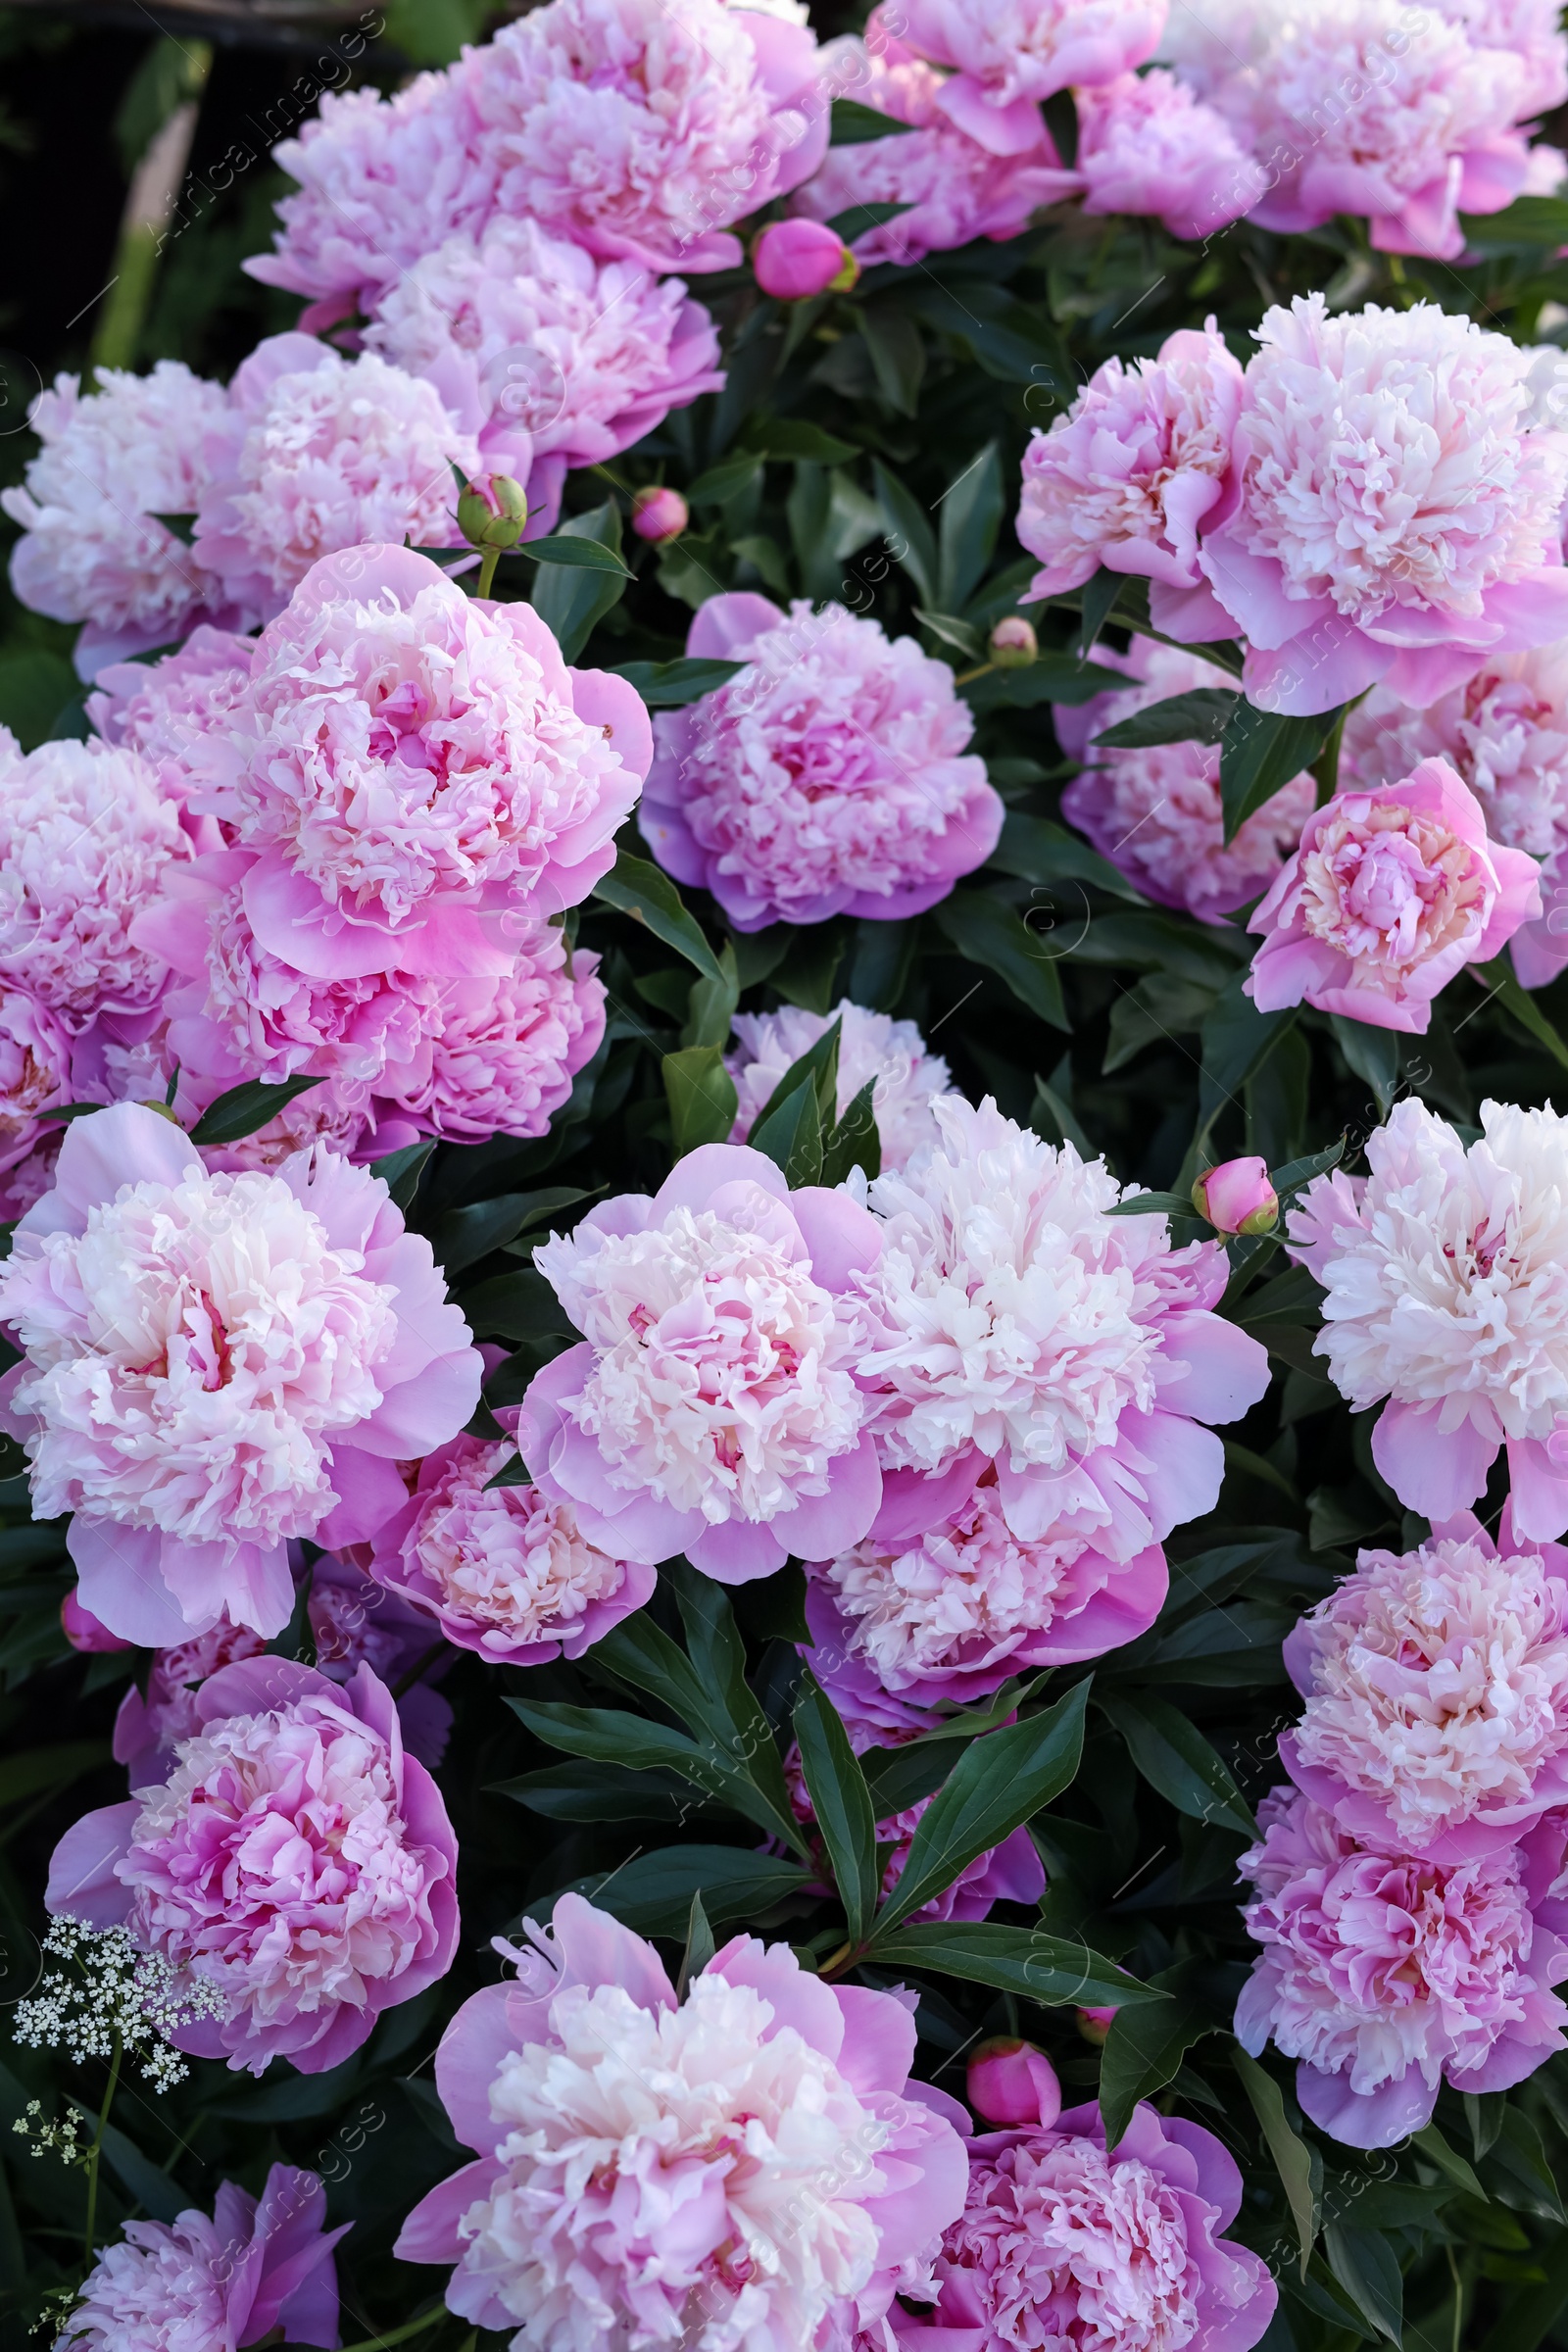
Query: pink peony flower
{"x": 505, "y": 1572}
{"x": 660, "y": 515}
{"x": 875, "y": 1051}
{"x": 149, "y": 1725}
{"x": 163, "y": 708}
{"x": 1390, "y": 895}
{"x": 83, "y": 1632}
{"x": 1140, "y": 461}
{"x": 793, "y": 259}
{"x": 1009, "y": 1319}
{"x": 34, "y": 1072}
{"x": 296, "y": 1860}
{"x": 1237, "y": 1196}
{"x": 953, "y": 188}
{"x": 93, "y": 551}
{"x": 1145, "y": 145}
{"x": 1008, "y": 2082}
{"x": 712, "y": 1406}
{"x": 828, "y": 777}
{"x": 87, "y": 839}
{"x": 1530, "y": 31}
{"x": 1157, "y": 814}
{"x": 505, "y": 1052}
{"x": 1398, "y": 509}
{"x": 356, "y": 1622}
{"x": 946, "y": 1614}
{"x": 1010, "y": 54}
{"x": 750, "y": 2165}
{"x": 547, "y": 355}
{"x": 1386, "y": 1976}
{"x": 1436, "y": 1683}
{"x": 1505, "y": 733}
{"x": 1062, "y": 2241}
{"x": 1447, "y": 1294}
{"x": 415, "y": 771}
{"x": 215, "y": 1364}
{"x": 250, "y": 2270}
{"x": 319, "y": 453}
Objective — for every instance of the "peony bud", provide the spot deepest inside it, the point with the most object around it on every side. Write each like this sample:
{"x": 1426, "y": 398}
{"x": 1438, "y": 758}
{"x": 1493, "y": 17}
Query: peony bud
{"x": 660, "y": 515}
{"x": 1095, "y": 2024}
{"x": 83, "y": 1630}
{"x": 1012, "y": 2082}
{"x": 493, "y": 510}
{"x": 1237, "y": 1196}
{"x": 794, "y": 259}
{"x": 1013, "y": 642}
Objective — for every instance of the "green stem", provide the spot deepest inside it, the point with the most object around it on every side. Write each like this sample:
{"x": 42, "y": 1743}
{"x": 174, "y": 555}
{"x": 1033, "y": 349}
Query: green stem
{"x": 96, "y": 2155}
{"x": 488, "y": 561}
{"x": 378, "y": 2343}
{"x": 984, "y": 670}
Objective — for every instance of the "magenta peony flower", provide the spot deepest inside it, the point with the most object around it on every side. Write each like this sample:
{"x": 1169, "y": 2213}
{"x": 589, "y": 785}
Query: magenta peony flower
{"x": 1237, "y": 1196}
{"x": 828, "y": 777}
{"x": 319, "y": 453}
{"x": 1010, "y": 54}
{"x": 34, "y": 1072}
{"x": 1008, "y": 2082}
{"x": 505, "y": 1572}
{"x": 87, "y": 838}
{"x": 215, "y": 1364}
{"x": 660, "y": 515}
{"x": 1009, "y": 1319}
{"x": 83, "y": 1632}
{"x": 149, "y": 1725}
{"x": 356, "y": 1622}
{"x": 1145, "y": 145}
{"x": 712, "y": 1406}
{"x": 609, "y": 2200}
{"x": 1157, "y": 814}
{"x": 1386, "y": 1976}
{"x": 891, "y": 1056}
{"x": 163, "y": 708}
{"x": 255, "y": 2268}
{"x": 793, "y": 259}
{"x": 547, "y": 355}
{"x": 1101, "y": 2248}
{"x": 296, "y": 1860}
{"x": 505, "y": 1050}
{"x": 1446, "y": 1278}
{"x": 111, "y": 462}
{"x": 1398, "y": 508}
{"x": 407, "y": 825}
{"x": 1436, "y": 1695}
{"x": 1125, "y": 478}
{"x": 1390, "y": 895}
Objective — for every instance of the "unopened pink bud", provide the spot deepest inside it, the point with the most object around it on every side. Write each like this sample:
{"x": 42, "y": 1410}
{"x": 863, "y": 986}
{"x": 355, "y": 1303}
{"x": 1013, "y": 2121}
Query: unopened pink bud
{"x": 1013, "y": 2082}
{"x": 794, "y": 259}
{"x": 83, "y": 1630}
{"x": 660, "y": 515}
{"x": 1237, "y": 1196}
{"x": 1095, "y": 2024}
{"x": 1013, "y": 642}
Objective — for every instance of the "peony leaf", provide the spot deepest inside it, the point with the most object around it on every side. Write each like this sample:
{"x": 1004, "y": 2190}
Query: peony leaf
{"x": 842, "y": 1802}
{"x": 575, "y": 552}
{"x": 1038, "y": 850}
{"x": 652, "y": 1894}
{"x": 586, "y": 1791}
{"x": 1174, "y": 1757}
{"x": 1368, "y": 2269}
{"x": 987, "y": 933}
{"x": 572, "y": 593}
{"x": 1200, "y": 716}
{"x": 1146, "y": 2046}
{"x": 1261, "y": 752}
{"x": 854, "y": 124}
{"x": 647, "y": 895}
{"x": 702, "y": 1100}
{"x": 1023, "y": 1961}
{"x": 245, "y": 1109}
{"x": 671, "y": 685}
{"x": 854, "y": 1140}
{"x": 1293, "y": 2158}
{"x": 1373, "y": 1056}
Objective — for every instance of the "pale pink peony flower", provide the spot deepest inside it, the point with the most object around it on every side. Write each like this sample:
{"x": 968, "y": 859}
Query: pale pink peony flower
{"x": 1142, "y": 460}
{"x": 1009, "y": 1319}
{"x": 505, "y": 1572}
{"x": 215, "y": 1364}
{"x": 828, "y": 777}
{"x": 1387, "y": 1975}
{"x": 88, "y": 837}
{"x": 712, "y": 1406}
{"x": 34, "y": 1072}
{"x": 1446, "y": 1278}
{"x": 416, "y": 770}
{"x": 1506, "y": 734}
{"x": 1530, "y": 31}
{"x": 1436, "y": 1683}
{"x": 296, "y": 1861}
{"x": 504, "y": 1052}
{"x": 1062, "y": 2241}
{"x": 874, "y": 1050}
{"x": 219, "y": 2283}
{"x": 149, "y": 1725}
{"x": 749, "y": 2166}
{"x": 547, "y": 355}
{"x": 1010, "y": 54}
{"x": 1390, "y": 895}
{"x": 1398, "y": 508}
{"x": 163, "y": 708}
{"x": 1157, "y": 814}
{"x": 111, "y": 462}
{"x": 1008, "y": 2082}
{"x": 1146, "y": 145}
{"x": 356, "y": 1622}
{"x": 946, "y": 1614}
{"x": 319, "y": 453}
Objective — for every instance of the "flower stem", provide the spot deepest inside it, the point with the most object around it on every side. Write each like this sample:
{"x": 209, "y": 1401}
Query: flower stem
{"x": 397, "y": 2336}
{"x": 964, "y": 675}
{"x": 488, "y": 571}
{"x": 95, "y": 2156}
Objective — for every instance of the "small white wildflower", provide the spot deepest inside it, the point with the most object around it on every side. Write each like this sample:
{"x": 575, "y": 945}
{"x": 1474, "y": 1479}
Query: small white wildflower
{"x": 112, "y": 1990}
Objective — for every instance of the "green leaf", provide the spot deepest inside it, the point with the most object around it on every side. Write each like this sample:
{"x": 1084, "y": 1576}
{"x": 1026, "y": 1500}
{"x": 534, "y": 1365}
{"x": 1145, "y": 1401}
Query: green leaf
{"x": 512, "y": 1472}
{"x": 1516, "y": 2170}
{"x": 35, "y": 688}
{"x": 1060, "y": 111}
{"x": 587, "y": 1791}
{"x": 995, "y": 1786}
{"x": 1292, "y": 2159}
{"x": 818, "y": 1068}
{"x": 1038, "y": 850}
{"x": 1056, "y": 677}
{"x": 970, "y": 513}
{"x": 1144, "y": 2049}
{"x": 853, "y": 125}
{"x": 1530, "y": 2315}
{"x": 859, "y": 219}
{"x": 716, "y": 488}
{"x": 842, "y": 1804}
{"x": 1297, "y": 1172}
{"x": 854, "y": 1140}
{"x": 1200, "y": 716}
{"x": 572, "y": 595}
{"x": 1238, "y": 1039}
{"x": 997, "y": 937}
{"x": 156, "y": 2191}
{"x": 1151, "y": 1204}
{"x": 178, "y": 526}
{"x": 1432, "y": 2144}
{"x": 606, "y": 1735}
{"x": 462, "y": 1235}
{"x": 702, "y": 1100}
{"x": 900, "y": 1777}
{"x": 1484, "y": 2112}
{"x": 795, "y": 440}
{"x": 1537, "y": 221}
{"x": 1368, "y": 2269}
{"x": 401, "y": 1171}
{"x": 912, "y": 541}
{"x": 946, "y": 631}
{"x": 576, "y": 553}
{"x": 791, "y": 1137}
{"x": 245, "y": 1109}
{"x": 1174, "y": 1757}
{"x": 1260, "y": 752}
{"x": 1100, "y": 599}
{"x": 1373, "y": 1055}
{"x": 670, "y": 685}
{"x": 700, "y": 1946}
{"x": 39, "y": 1768}
{"x": 1024, "y": 1961}
{"x": 647, "y": 895}
{"x": 1499, "y": 980}
{"x": 652, "y": 1894}
{"x": 513, "y": 1306}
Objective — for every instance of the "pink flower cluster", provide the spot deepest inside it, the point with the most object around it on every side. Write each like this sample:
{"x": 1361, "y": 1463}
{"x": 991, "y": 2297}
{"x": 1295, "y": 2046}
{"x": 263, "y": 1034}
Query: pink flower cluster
{"x": 890, "y": 1057}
